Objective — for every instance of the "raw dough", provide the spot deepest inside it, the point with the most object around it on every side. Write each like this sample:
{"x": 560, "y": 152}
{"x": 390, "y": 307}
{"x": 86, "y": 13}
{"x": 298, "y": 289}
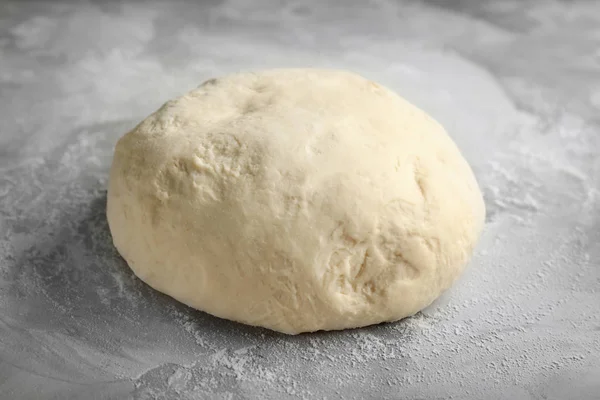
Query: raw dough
{"x": 294, "y": 199}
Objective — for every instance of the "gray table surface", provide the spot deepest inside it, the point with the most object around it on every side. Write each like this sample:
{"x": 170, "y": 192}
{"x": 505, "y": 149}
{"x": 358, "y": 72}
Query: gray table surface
{"x": 517, "y": 84}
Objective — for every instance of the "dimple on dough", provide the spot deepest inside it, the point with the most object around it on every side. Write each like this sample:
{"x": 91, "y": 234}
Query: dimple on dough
{"x": 294, "y": 199}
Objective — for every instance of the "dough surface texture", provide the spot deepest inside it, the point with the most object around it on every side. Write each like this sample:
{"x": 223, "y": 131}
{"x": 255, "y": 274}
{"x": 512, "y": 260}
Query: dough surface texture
{"x": 296, "y": 200}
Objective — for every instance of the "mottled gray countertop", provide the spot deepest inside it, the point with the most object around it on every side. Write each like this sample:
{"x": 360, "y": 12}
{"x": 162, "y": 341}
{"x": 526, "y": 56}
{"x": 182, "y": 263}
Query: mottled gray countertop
{"x": 517, "y": 84}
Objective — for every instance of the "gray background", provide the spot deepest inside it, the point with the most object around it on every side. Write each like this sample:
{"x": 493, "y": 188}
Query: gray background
{"x": 517, "y": 84}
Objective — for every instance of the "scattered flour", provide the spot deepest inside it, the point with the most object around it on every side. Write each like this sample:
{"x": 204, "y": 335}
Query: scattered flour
{"x": 521, "y": 323}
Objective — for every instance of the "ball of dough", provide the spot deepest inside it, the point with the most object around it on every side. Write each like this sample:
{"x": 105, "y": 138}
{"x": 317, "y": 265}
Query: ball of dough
{"x": 294, "y": 199}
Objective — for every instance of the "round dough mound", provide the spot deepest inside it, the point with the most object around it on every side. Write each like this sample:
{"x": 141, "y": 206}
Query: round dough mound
{"x": 294, "y": 199}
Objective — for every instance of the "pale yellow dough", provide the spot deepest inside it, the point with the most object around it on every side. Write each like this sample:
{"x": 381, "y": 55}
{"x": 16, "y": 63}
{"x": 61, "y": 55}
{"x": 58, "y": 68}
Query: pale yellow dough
{"x": 294, "y": 199}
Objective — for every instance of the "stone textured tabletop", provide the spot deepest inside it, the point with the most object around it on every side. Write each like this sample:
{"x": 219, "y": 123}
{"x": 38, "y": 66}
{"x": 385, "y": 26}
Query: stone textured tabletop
{"x": 517, "y": 85}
